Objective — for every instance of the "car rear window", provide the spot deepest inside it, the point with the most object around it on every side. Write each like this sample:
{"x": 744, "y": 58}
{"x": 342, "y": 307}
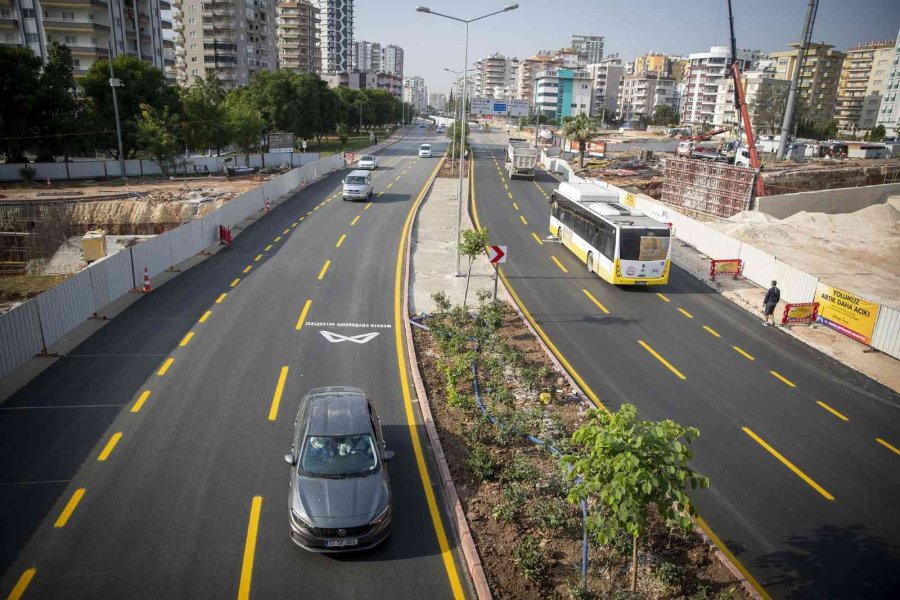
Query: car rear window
{"x": 339, "y": 455}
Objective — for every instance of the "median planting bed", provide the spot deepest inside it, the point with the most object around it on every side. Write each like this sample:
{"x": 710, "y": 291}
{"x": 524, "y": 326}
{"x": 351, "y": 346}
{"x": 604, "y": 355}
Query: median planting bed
{"x": 515, "y": 489}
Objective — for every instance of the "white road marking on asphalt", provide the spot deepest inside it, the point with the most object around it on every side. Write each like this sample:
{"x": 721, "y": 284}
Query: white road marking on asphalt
{"x": 337, "y": 338}
{"x": 357, "y": 325}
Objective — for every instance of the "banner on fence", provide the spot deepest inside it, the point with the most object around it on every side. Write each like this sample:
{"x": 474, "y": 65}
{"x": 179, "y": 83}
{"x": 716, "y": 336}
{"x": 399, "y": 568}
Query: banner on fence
{"x": 847, "y": 313}
{"x": 803, "y": 312}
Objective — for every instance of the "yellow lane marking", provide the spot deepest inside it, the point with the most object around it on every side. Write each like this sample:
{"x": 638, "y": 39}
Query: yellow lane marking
{"x": 258, "y": 258}
{"x": 286, "y": 231}
{"x": 186, "y": 339}
{"x": 663, "y": 297}
{"x": 22, "y": 584}
{"x": 832, "y": 411}
{"x": 355, "y": 219}
{"x": 524, "y": 222}
{"x": 536, "y": 238}
{"x": 316, "y": 208}
{"x": 309, "y": 213}
{"x": 788, "y": 464}
{"x": 250, "y": 549}
{"x": 341, "y": 240}
{"x": 389, "y": 186}
{"x": 302, "y": 219}
{"x": 107, "y": 450}
{"x": 378, "y": 195}
{"x": 559, "y": 264}
{"x": 888, "y": 446}
{"x": 324, "y": 269}
{"x": 221, "y": 297}
{"x": 140, "y": 401}
{"x": 742, "y": 353}
{"x": 437, "y": 524}
{"x": 302, "y": 318}
{"x": 205, "y": 316}
{"x": 69, "y": 509}
{"x": 368, "y": 206}
{"x": 397, "y": 179}
{"x": 165, "y": 366}
{"x": 247, "y": 269}
{"x": 278, "y": 239}
{"x": 294, "y": 224}
{"x": 658, "y": 357}
{"x": 595, "y": 301}
{"x": 267, "y": 248}
{"x": 279, "y": 390}
{"x": 711, "y": 331}
{"x": 515, "y": 206}
{"x": 724, "y": 549}
{"x": 685, "y": 313}
{"x": 782, "y": 379}
{"x": 236, "y": 281}
{"x": 506, "y": 187}
{"x": 509, "y": 194}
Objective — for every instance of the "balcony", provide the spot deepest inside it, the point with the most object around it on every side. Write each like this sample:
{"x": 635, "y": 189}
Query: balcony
{"x": 94, "y": 51}
{"x": 224, "y": 25}
{"x": 55, "y": 24}
{"x": 73, "y": 3}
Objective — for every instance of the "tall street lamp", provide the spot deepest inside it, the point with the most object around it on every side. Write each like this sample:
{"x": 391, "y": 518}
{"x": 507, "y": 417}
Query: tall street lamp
{"x": 457, "y": 114}
{"x": 464, "y": 121}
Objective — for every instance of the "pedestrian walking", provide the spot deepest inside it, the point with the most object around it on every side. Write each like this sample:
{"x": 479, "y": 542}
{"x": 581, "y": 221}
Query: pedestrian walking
{"x": 773, "y": 295}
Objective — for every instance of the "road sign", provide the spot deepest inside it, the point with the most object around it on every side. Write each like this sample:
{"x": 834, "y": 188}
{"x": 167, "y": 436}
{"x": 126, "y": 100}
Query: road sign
{"x": 497, "y": 254}
{"x": 519, "y": 108}
{"x": 489, "y": 106}
{"x": 281, "y": 142}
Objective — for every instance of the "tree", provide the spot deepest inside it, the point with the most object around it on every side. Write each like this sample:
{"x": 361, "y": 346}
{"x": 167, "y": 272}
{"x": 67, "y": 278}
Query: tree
{"x": 623, "y": 466}
{"x": 56, "y": 104}
{"x": 663, "y": 115}
{"x": 768, "y": 108}
{"x": 156, "y": 134}
{"x": 876, "y": 134}
{"x": 20, "y": 90}
{"x": 244, "y": 121}
{"x": 472, "y": 245}
{"x": 343, "y": 134}
{"x": 205, "y": 125}
{"x": 581, "y": 129}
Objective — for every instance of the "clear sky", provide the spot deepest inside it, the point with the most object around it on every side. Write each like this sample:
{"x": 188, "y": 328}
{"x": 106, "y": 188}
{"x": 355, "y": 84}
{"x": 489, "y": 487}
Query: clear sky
{"x": 631, "y": 27}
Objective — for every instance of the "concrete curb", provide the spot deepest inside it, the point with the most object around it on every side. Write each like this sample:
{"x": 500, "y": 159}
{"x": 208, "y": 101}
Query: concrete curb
{"x": 451, "y": 498}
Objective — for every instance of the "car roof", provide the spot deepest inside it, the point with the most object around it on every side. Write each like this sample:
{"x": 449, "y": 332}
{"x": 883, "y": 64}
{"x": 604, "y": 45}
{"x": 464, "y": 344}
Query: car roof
{"x": 423, "y": 145}
{"x": 337, "y": 410}
{"x": 367, "y": 157}
{"x": 358, "y": 173}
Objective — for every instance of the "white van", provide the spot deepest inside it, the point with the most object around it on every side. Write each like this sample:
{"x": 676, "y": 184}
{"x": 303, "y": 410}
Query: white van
{"x": 358, "y": 185}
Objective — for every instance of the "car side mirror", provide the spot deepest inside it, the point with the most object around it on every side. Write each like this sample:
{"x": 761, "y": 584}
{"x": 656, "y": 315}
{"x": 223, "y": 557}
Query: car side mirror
{"x": 289, "y": 459}
{"x": 388, "y": 455}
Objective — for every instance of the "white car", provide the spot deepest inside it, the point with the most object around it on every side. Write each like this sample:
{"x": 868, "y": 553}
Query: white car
{"x": 425, "y": 151}
{"x": 367, "y": 162}
{"x": 440, "y": 129}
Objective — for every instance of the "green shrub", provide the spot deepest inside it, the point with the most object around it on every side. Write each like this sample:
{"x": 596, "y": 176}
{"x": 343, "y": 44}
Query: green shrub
{"x": 27, "y": 173}
{"x": 481, "y": 462}
{"x": 529, "y": 557}
{"x": 555, "y": 514}
{"x": 441, "y": 301}
{"x": 670, "y": 574}
{"x": 514, "y": 498}
{"x": 519, "y": 469}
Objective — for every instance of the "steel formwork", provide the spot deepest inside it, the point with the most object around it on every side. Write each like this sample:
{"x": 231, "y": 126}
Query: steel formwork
{"x": 706, "y": 187}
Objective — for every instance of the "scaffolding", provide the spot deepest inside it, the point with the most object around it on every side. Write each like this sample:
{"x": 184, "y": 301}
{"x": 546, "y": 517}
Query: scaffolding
{"x": 708, "y": 188}
{"x": 30, "y": 232}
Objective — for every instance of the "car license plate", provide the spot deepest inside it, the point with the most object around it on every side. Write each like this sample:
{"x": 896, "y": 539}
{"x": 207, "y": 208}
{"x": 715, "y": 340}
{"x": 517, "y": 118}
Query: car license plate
{"x": 640, "y": 283}
{"x": 341, "y": 543}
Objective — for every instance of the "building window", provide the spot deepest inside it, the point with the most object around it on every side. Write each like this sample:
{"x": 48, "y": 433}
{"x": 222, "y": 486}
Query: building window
{"x": 193, "y": 46}
{"x": 68, "y": 16}
{"x": 28, "y": 13}
{"x": 192, "y": 21}
{"x": 71, "y": 39}
{"x": 31, "y": 38}
{"x": 192, "y": 8}
{"x": 192, "y": 34}
{"x": 194, "y": 72}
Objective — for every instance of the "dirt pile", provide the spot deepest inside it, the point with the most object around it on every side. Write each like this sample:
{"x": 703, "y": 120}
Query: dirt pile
{"x": 123, "y": 217}
{"x": 830, "y": 174}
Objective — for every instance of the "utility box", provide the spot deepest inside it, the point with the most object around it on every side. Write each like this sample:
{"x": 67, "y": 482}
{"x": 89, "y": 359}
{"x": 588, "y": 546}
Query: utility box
{"x": 93, "y": 246}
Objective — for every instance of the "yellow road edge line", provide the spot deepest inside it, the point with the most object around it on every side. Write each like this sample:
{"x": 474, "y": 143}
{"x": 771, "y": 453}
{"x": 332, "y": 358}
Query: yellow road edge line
{"x": 71, "y": 505}
{"x": 355, "y": 219}
{"x": 205, "y": 316}
{"x": 140, "y": 401}
{"x": 107, "y": 450}
{"x": 324, "y": 269}
{"x": 782, "y": 379}
{"x": 685, "y": 313}
{"x": 524, "y": 222}
{"x": 788, "y": 464}
{"x": 247, "y": 269}
{"x": 832, "y": 411}
{"x": 428, "y": 488}
{"x": 740, "y": 567}
{"x": 165, "y": 366}
{"x": 559, "y": 264}
{"x": 250, "y": 549}
{"x": 595, "y": 301}
{"x": 303, "y": 312}
{"x": 221, "y": 297}
{"x": 659, "y": 357}
{"x": 341, "y": 240}
{"x": 712, "y": 331}
{"x": 742, "y": 353}
{"x": 279, "y": 390}
{"x": 368, "y": 206}
{"x": 536, "y": 238}
{"x": 888, "y": 446}
{"x": 663, "y": 297}
{"x": 236, "y": 281}
{"x": 22, "y": 584}
{"x": 258, "y": 257}
{"x": 186, "y": 339}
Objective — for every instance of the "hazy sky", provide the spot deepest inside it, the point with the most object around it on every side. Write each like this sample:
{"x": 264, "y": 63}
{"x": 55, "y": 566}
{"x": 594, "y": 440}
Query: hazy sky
{"x": 631, "y": 27}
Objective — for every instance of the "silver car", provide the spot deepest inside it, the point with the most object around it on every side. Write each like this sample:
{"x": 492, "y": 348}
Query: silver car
{"x": 340, "y": 496}
{"x": 367, "y": 162}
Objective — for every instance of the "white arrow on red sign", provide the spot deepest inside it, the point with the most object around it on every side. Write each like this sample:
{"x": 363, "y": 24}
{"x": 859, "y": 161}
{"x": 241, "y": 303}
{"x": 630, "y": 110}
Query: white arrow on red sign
{"x": 497, "y": 254}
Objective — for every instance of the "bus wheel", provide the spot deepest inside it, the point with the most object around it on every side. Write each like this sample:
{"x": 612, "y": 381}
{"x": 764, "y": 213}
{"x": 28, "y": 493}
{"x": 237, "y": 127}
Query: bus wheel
{"x": 590, "y": 262}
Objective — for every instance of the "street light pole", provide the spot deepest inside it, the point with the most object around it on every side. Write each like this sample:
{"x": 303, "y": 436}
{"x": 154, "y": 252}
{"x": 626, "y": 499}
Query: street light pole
{"x": 114, "y": 83}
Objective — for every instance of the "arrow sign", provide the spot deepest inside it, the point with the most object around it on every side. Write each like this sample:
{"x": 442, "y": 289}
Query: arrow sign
{"x": 497, "y": 254}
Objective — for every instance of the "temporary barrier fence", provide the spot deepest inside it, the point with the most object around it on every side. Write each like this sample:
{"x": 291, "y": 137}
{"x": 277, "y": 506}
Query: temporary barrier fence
{"x": 886, "y": 336}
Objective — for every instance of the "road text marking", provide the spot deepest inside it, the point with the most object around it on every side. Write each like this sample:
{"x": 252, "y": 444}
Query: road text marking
{"x": 107, "y": 450}
{"x": 595, "y": 301}
{"x": 279, "y": 390}
{"x": 250, "y": 549}
{"x": 303, "y": 313}
{"x": 165, "y": 366}
{"x": 657, "y": 356}
{"x": 788, "y": 464}
{"x": 324, "y": 269}
{"x": 782, "y": 379}
{"x": 69, "y": 509}
{"x": 559, "y": 264}
{"x": 140, "y": 401}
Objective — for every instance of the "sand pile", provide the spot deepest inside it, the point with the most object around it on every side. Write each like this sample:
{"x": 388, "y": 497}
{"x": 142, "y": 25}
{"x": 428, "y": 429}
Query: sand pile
{"x": 122, "y": 217}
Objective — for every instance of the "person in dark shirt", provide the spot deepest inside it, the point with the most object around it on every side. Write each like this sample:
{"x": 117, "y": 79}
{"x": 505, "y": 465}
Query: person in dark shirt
{"x": 773, "y": 295}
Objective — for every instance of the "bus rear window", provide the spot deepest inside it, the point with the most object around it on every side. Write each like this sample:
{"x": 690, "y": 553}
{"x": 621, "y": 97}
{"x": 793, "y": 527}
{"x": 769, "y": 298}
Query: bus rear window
{"x": 643, "y": 244}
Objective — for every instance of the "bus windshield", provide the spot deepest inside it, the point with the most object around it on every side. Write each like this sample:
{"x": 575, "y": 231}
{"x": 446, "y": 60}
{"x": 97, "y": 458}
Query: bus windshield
{"x": 643, "y": 244}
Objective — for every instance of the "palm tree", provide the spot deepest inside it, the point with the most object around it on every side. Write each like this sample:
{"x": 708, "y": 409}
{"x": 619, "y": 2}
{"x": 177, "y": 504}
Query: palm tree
{"x": 581, "y": 129}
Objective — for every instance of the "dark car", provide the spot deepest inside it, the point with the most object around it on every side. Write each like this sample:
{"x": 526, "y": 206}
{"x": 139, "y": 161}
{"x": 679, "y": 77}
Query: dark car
{"x": 340, "y": 495}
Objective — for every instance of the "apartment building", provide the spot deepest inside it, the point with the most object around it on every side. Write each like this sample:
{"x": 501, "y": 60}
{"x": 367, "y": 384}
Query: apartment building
{"x": 562, "y": 93}
{"x": 606, "y": 77}
{"x": 298, "y": 44}
{"x": 365, "y": 56}
{"x": 589, "y": 45}
{"x": 365, "y": 80}
{"x": 889, "y": 112}
{"x": 438, "y": 101}
{"x": 819, "y": 77}
{"x": 392, "y": 60}
{"x": 90, "y": 28}
{"x": 526, "y": 71}
{"x": 641, "y": 93}
{"x": 665, "y": 65}
{"x": 864, "y": 77}
{"x": 705, "y": 72}
{"x": 335, "y": 35}
{"x": 753, "y": 82}
{"x": 495, "y": 77}
{"x": 415, "y": 93}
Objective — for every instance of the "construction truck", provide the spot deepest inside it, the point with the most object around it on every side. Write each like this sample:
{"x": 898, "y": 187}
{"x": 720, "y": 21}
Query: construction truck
{"x": 521, "y": 157}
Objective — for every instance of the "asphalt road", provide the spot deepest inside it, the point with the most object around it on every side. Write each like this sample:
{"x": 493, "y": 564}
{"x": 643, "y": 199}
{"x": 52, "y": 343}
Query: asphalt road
{"x": 819, "y": 520}
{"x": 170, "y": 512}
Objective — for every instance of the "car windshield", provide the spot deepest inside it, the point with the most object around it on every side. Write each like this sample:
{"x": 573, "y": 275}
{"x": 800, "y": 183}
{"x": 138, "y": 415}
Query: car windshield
{"x": 339, "y": 455}
{"x": 425, "y": 147}
{"x": 355, "y": 180}
{"x": 367, "y": 158}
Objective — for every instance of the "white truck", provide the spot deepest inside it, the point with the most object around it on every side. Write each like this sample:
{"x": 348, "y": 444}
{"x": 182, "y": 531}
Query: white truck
{"x": 521, "y": 157}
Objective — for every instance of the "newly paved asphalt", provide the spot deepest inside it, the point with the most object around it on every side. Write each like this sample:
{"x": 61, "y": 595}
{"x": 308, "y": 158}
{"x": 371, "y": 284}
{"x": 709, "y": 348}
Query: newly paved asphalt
{"x": 167, "y": 514}
{"x": 793, "y": 539}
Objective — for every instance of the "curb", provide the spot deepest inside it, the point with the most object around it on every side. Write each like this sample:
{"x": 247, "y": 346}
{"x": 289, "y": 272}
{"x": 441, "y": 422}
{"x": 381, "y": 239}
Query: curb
{"x": 451, "y": 498}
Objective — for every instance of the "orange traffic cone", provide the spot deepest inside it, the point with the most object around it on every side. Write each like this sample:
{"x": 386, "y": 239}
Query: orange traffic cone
{"x": 146, "y": 280}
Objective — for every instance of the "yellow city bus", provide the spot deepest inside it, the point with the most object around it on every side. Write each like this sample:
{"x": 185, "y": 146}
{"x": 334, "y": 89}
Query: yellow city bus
{"x": 621, "y": 245}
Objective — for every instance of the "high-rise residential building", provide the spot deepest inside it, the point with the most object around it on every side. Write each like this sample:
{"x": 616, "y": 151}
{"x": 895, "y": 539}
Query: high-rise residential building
{"x": 335, "y": 34}
{"x": 589, "y": 45}
{"x": 642, "y": 93}
{"x": 705, "y": 72}
{"x": 526, "y": 71}
{"x": 607, "y": 79}
{"x": 819, "y": 76}
{"x": 227, "y": 39}
{"x": 392, "y": 60}
{"x": 889, "y": 113}
{"x": 363, "y": 80}
{"x": 366, "y": 56}
{"x": 562, "y": 93}
{"x": 753, "y": 82}
{"x": 495, "y": 77}
{"x": 862, "y": 84}
{"x": 664, "y": 65}
{"x": 415, "y": 93}
{"x": 298, "y": 44}
{"x": 438, "y": 101}
{"x": 89, "y": 28}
